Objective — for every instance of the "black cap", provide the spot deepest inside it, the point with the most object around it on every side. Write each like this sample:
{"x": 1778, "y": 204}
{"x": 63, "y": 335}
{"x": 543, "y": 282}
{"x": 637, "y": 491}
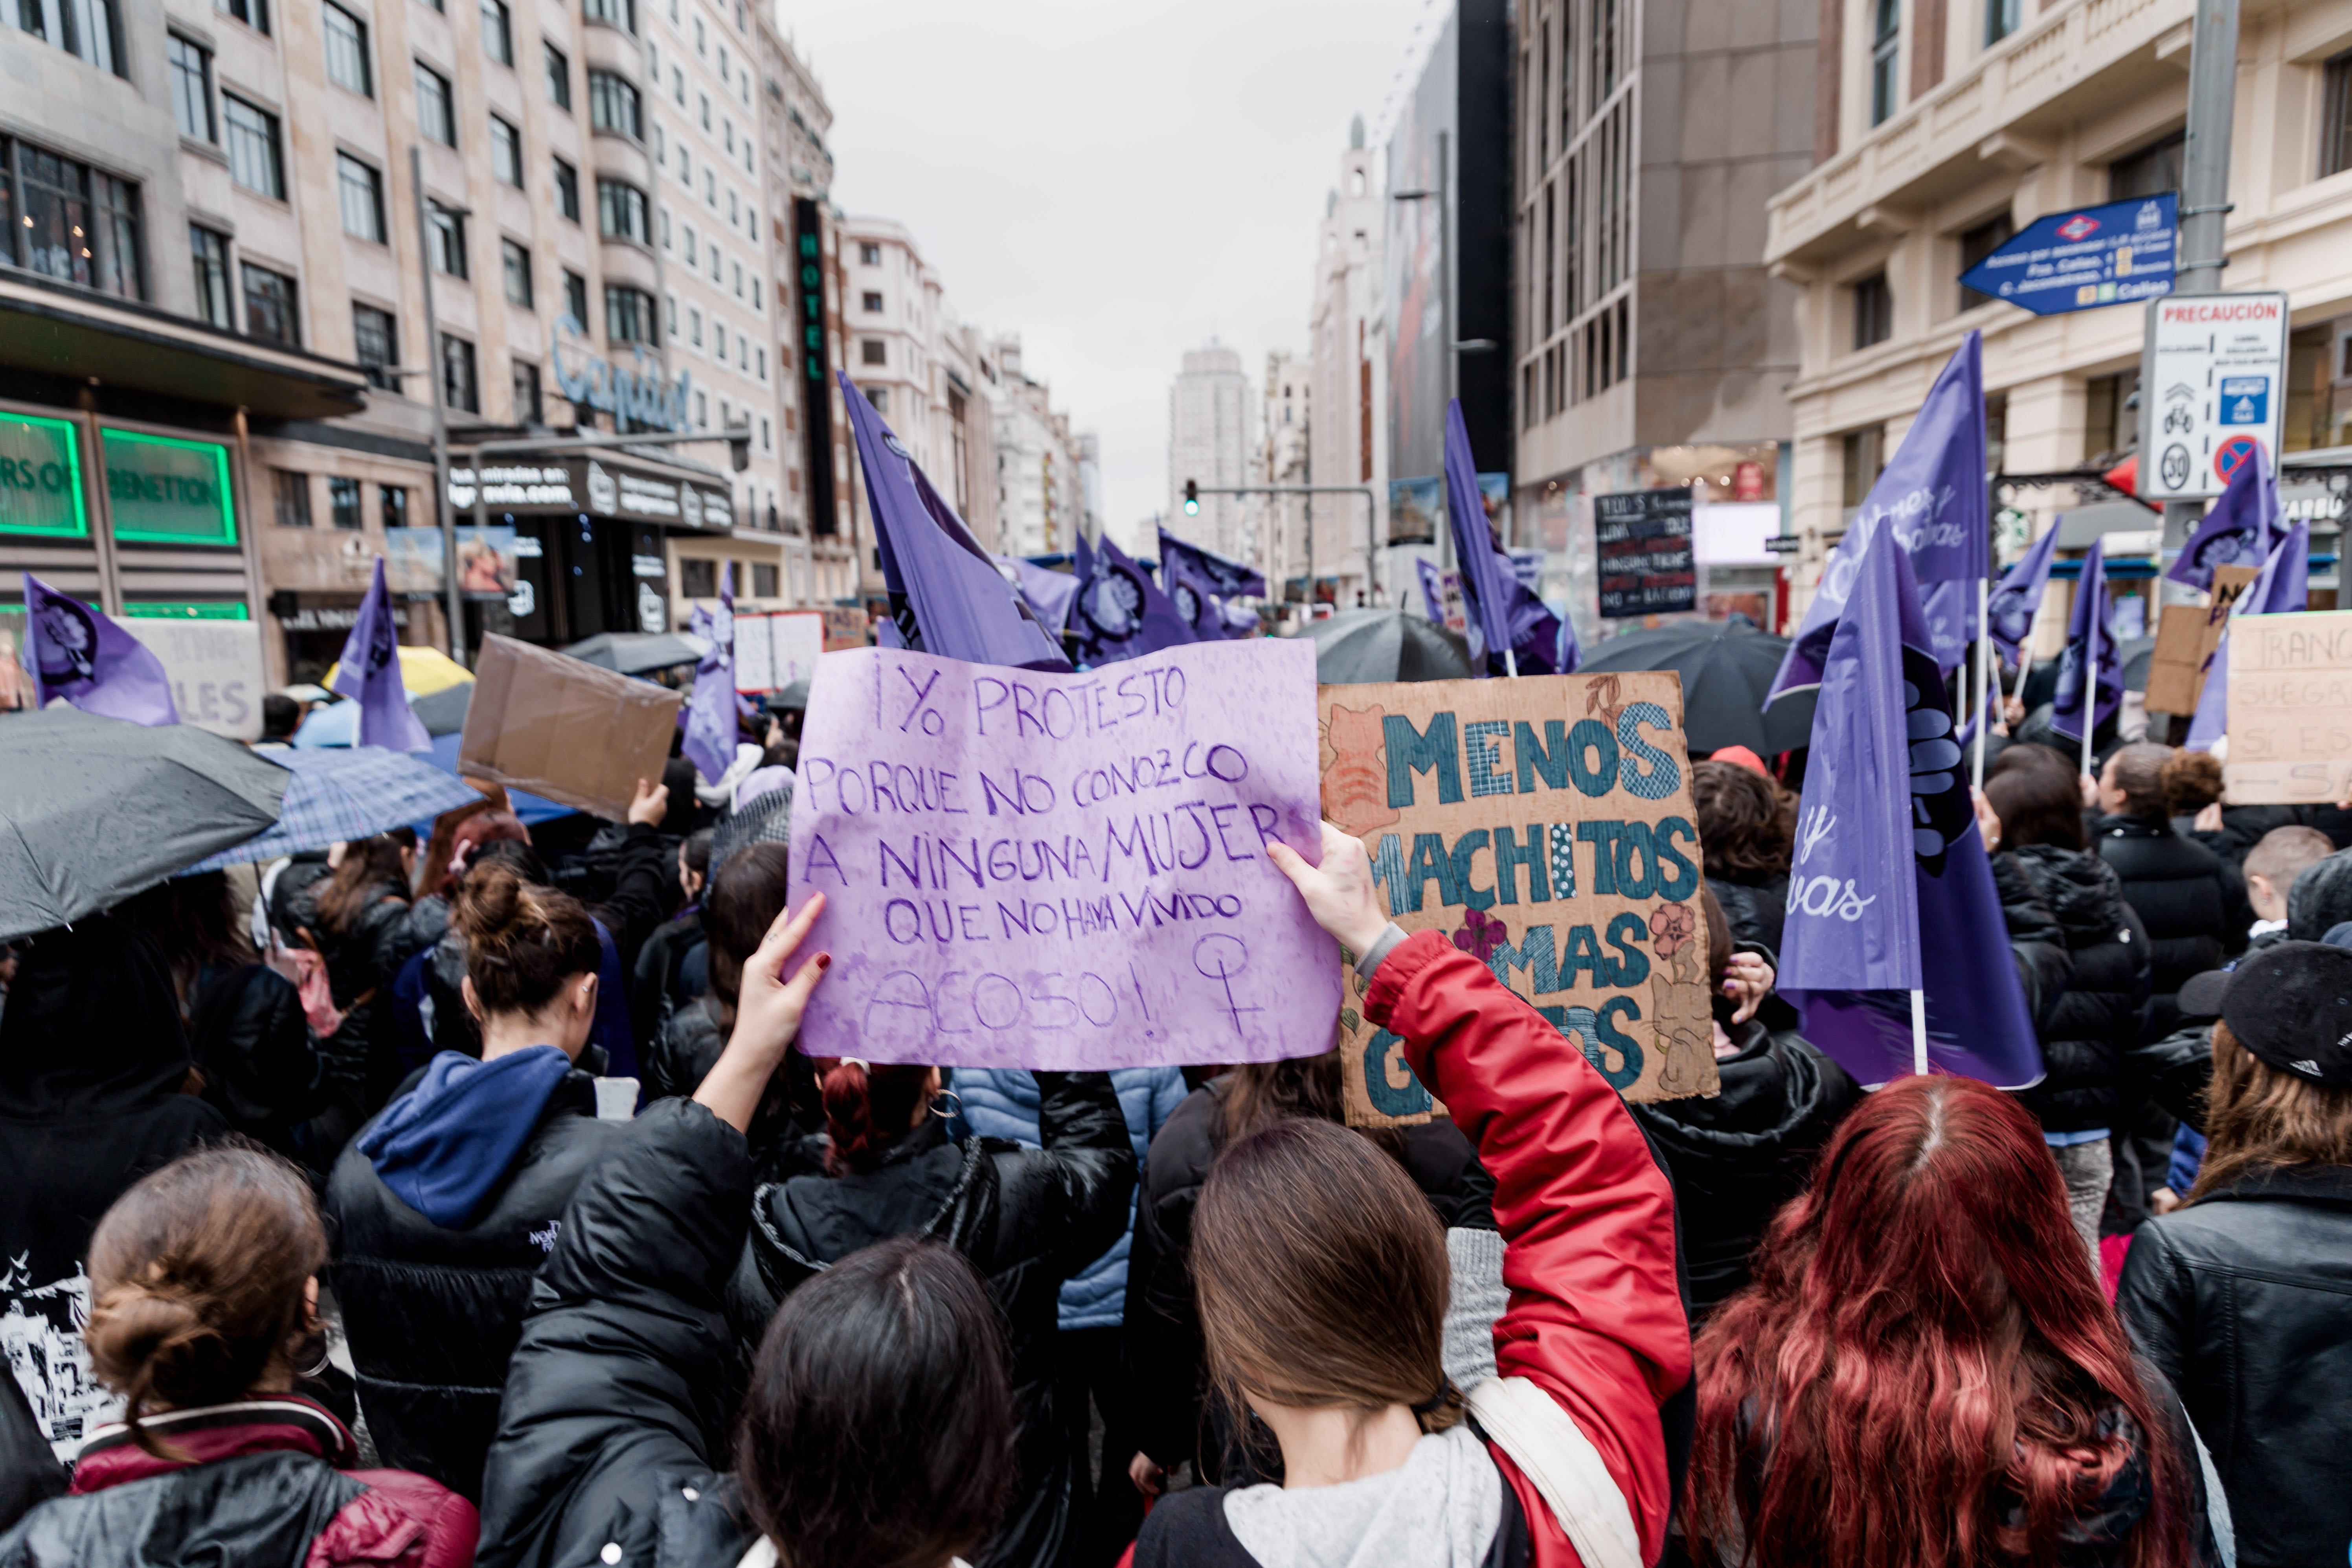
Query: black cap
{"x": 2290, "y": 1003}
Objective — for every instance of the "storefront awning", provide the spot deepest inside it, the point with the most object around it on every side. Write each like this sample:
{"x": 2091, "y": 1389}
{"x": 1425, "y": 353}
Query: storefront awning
{"x": 54, "y": 329}
{"x": 604, "y": 484}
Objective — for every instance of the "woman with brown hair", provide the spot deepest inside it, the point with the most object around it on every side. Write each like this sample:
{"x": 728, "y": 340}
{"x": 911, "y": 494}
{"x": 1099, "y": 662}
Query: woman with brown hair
{"x": 2243, "y": 1298}
{"x": 1323, "y": 1283}
{"x": 204, "y": 1290}
{"x": 358, "y": 920}
{"x": 1746, "y": 829}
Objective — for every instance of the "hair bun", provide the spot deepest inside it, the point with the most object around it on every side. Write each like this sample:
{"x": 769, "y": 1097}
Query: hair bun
{"x": 149, "y": 1340}
{"x": 488, "y": 906}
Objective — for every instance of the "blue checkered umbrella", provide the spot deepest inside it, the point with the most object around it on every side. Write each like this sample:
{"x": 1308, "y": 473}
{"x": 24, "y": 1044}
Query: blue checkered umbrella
{"x": 347, "y": 793}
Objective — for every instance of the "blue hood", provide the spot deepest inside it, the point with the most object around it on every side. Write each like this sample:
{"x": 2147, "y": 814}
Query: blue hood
{"x": 444, "y": 1145}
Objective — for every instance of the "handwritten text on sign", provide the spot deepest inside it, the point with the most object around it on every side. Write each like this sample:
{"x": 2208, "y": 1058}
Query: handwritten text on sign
{"x": 1062, "y": 871}
{"x": 2290, "y": 709}
{"x": 1545, "y": 827}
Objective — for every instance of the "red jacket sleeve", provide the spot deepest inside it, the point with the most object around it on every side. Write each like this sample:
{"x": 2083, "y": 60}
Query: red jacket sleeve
{"x": 1587, "y": 1217}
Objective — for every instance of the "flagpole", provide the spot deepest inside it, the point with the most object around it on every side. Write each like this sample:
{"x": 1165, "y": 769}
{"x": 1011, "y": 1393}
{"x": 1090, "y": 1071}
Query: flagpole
{"x": 2089, "y": 707}
{"x": 1511, "y": 663}
{"x": 1984, "y": 669}
{"x": 1919, "y": 1032}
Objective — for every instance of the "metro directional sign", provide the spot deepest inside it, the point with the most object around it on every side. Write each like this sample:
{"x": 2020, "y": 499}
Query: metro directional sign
{"x": 2080, "y": 260}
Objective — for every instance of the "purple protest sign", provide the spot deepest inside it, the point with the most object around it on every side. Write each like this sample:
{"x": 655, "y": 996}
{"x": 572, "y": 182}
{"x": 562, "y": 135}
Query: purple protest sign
{"x": 1035, "y": 869}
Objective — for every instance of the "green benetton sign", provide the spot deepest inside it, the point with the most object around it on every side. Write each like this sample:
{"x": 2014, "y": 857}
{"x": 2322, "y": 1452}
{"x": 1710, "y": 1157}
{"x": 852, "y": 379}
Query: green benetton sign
{"x": 40, "y": 477}
{"x": 168, "y": 491}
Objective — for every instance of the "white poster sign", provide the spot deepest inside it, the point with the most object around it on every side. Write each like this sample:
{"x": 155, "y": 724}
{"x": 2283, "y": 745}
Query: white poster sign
{"x": 215, "y": 671}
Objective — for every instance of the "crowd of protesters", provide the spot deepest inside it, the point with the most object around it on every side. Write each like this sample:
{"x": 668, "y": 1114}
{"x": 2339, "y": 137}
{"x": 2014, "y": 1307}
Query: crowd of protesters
{"x": 458, "y": 1197}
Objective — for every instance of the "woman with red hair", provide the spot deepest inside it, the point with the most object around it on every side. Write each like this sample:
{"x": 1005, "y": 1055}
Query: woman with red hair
{"x": 1924, "y": 1376}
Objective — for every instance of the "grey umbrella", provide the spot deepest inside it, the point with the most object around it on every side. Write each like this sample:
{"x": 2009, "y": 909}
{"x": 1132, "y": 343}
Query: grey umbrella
{"x": 1357, "y": 646}
{"x": 93, "y": 810}
{"x": 1727, "y": 667}
{"x": 634, "y": 653}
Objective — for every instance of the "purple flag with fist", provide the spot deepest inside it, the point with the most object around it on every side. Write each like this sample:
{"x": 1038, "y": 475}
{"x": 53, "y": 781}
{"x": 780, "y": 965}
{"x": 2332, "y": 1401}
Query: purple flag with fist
{"x": 369, "y": 671}
{"x": 74, "y": 652}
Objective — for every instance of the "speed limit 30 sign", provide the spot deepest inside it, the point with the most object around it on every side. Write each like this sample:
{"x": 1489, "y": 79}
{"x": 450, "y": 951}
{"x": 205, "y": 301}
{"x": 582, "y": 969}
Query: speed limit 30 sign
{"x": 2212, "y": 390}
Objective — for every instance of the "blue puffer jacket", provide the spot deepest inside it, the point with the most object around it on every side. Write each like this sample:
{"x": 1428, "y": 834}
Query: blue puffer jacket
{"x": 1002, "y": 1102}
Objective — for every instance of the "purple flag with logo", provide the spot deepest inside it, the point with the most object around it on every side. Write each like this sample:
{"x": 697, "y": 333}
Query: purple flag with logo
{"x": 946, "y": 593}
{"x": 2282, "y": 588}
{"x": 76, "y": 653}
{"x": 1201, "y": 583}
{"x": 1933, "y": 494}
{"x": 1501, "y": 611}
{"x": 2089, "y": 665}
{"x": 1951, "y": 611}
{"x": 1432, "y": 589}
{"x": 2017, "y": 597}
{"x": 2242, "y": 529}
{"x": 369, "y": 671}
{"x": 1887, "y": 851}
{"x": 1047, "y": 593}
{"x": 1120, "y": 612}
{"x": 710, "y": 740}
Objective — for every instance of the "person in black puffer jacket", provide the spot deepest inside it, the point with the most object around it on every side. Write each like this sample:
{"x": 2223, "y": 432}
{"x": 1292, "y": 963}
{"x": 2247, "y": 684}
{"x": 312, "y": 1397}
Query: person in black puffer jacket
{"x": 1745, "y": 831}
{"x": 2095, "y": 1024}
{"x": 1027, "y": 1218}
{"x": 2320, "y": 899}
{"x": 1737, "y": 1154}
{"x": 2173, "y": 883}
{"x": 359, "y": 920}
{"x": 445, "y": 1204}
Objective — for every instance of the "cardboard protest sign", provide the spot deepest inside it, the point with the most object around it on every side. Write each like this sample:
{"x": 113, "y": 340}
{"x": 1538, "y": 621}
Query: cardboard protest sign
{"x": 2290, "y": 709}
{"x": 215, "y": 668}
{"x": 1062, "y": 871}
{"x": 565, "y": 729}
{"x": 1545, "y": 826}
{"x": 845, "y": 627}
{"x": 2186, "y": 639}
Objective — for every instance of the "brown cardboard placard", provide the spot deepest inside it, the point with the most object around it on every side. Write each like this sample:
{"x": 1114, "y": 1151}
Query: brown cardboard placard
{"x": 2290, "y": 709}
{"x": 2185, "y": 640}
{"x": 576, "y": 734}
{"x": 1595, "y": 920}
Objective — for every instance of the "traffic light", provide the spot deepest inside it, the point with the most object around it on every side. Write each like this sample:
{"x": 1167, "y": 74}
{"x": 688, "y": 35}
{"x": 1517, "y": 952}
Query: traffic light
{"x": 739, "y": 445}
{"x": 1192, "y": 498}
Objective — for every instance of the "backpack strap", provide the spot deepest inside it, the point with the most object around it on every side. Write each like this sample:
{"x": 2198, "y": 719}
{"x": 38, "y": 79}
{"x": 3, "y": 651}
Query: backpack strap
{"x": 1552, "y": 1452}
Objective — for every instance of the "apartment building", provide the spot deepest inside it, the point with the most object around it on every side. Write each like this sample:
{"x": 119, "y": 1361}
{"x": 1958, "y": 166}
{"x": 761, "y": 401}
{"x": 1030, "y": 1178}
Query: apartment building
{"x": 1286, "y": 548}
{"x": 1942, "y": 126}
{"x": 1040, "y": 483}
{"x": 1348, "y": 438}
{"x": 1209, "y": 416}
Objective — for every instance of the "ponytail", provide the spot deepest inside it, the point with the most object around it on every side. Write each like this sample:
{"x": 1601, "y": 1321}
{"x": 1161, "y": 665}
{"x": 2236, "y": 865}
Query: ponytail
{"x": 865, "y": 1107}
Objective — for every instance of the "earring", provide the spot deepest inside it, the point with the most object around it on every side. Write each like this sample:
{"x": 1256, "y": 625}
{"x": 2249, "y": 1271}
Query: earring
{"x": 946, "y": 1094}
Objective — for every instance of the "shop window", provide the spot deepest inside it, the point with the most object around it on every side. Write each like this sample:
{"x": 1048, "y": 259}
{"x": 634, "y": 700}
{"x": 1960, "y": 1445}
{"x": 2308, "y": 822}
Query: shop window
{"x": 698, "y": 579}
{"x": 1977, "y": 244}
{"x": 347, "y": 50}
{"x": 210, "y": 252}
{"x": 2152, "y": 171}
{"x": 293, "y": 493}
{"x": 1874, "y": 311}
{"x": 375, "y": 344}
{"x": 343, "y": 503}
{"x": 392, "y": 501}
{"x": 270, "y": 307}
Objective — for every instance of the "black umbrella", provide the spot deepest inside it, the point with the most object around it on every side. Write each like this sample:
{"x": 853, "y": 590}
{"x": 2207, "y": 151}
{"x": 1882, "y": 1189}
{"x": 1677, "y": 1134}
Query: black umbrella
{"x": 443, "y": 712}
{"x": 1727, "y": 667}
{"x": 634, "y": 653}
{"x": 1358, "y": 646}
{"x": 96, "y": 809}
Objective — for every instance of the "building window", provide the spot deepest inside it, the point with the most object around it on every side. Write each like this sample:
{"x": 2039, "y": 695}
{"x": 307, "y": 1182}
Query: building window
{"x": 76, "y": 225}
{"x": 2336, "y": 118}
{"x": 1874, "y": 312}
{"x": 694, "y": 326}
{"x": 613, "y": 105}
{"x": 558, "y": 78}
{"x": 210, "y": 253}
{"x": 506, "y": 153}
{"x": 873, "y": 351}
{"x": 293, "y": 493}
{"x": 2003, "y": 17}
{"x": 1975, "y": 246}
{"x": 498, "y": 31}
{"x": 880, "y": 397}
{"x": 253, "y": 14}
{"x": 392, "y": 500}
{"x": 516, "y": 263}
{"x": 2154, "y": 169}
{"x": 255, "y": 160}
{"x": 458, "y": 387}
{"x": 1885, "y": 48}
{"x": 2110, "y": 419}
{"x": 87, "y": 29}
{"x": 621, "y": 14}
{"x": 761, "y": 355}
{"x": 435, "y": 114}
{"x": 361, "y": 191}
{"x": 873, "y": 302}
{"x": 673, "y": 317}
{"x": 763, "y": 581}
{"x": 628, "y": 314}
{"x": 527, "y": 410}
{"x": 698, "y": 579}
{"x": 719, "y": 338}
{"x": 869, "y": 255}
{"x": 270, "y": 307}
{"x": 375, "y": 344}
{"x": 343, "y": 503}
{"x": 575, "y": 299}
{"x": 567, "y": 190}
{"x": 192, "y": 88}
{"x": 347, "y": 50}
{"x": 1865, "y": 453}
{"x": 449, "y": 239}
{"x": 620, "y": 211}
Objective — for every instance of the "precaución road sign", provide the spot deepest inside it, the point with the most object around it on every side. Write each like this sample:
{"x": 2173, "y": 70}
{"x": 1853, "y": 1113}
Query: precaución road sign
{"x": 2218, "y": 362}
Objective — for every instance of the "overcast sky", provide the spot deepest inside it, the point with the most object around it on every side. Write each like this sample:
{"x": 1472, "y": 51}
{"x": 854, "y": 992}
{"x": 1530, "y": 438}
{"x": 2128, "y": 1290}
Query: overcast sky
{"x": 1113, "y": 180}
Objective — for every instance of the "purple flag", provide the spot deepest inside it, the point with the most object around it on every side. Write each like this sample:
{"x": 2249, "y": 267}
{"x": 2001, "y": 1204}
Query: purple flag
{"x": 1934, "y": 496}
{"x": 2090, "y": 652}
{"x": 1501, "y": 611}
{"x": 1200, "y": 583}
{"x": 369, "y": 671}
{"x": 710, "y": 742}
{"x": 76, "y": 653}
{"x": 2282, "y": 588}
{"x": 2016, "y": 598}
{"x": 1888, "y": 850}
{"x": 1047, "y": 593}
{"x": 1951, "y": 611}
{"x": 1432, "y": 588}
{"x": 2240, "y": 530}
{"x": 946, "y": 593}
{"x": 1120, "y": 611}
